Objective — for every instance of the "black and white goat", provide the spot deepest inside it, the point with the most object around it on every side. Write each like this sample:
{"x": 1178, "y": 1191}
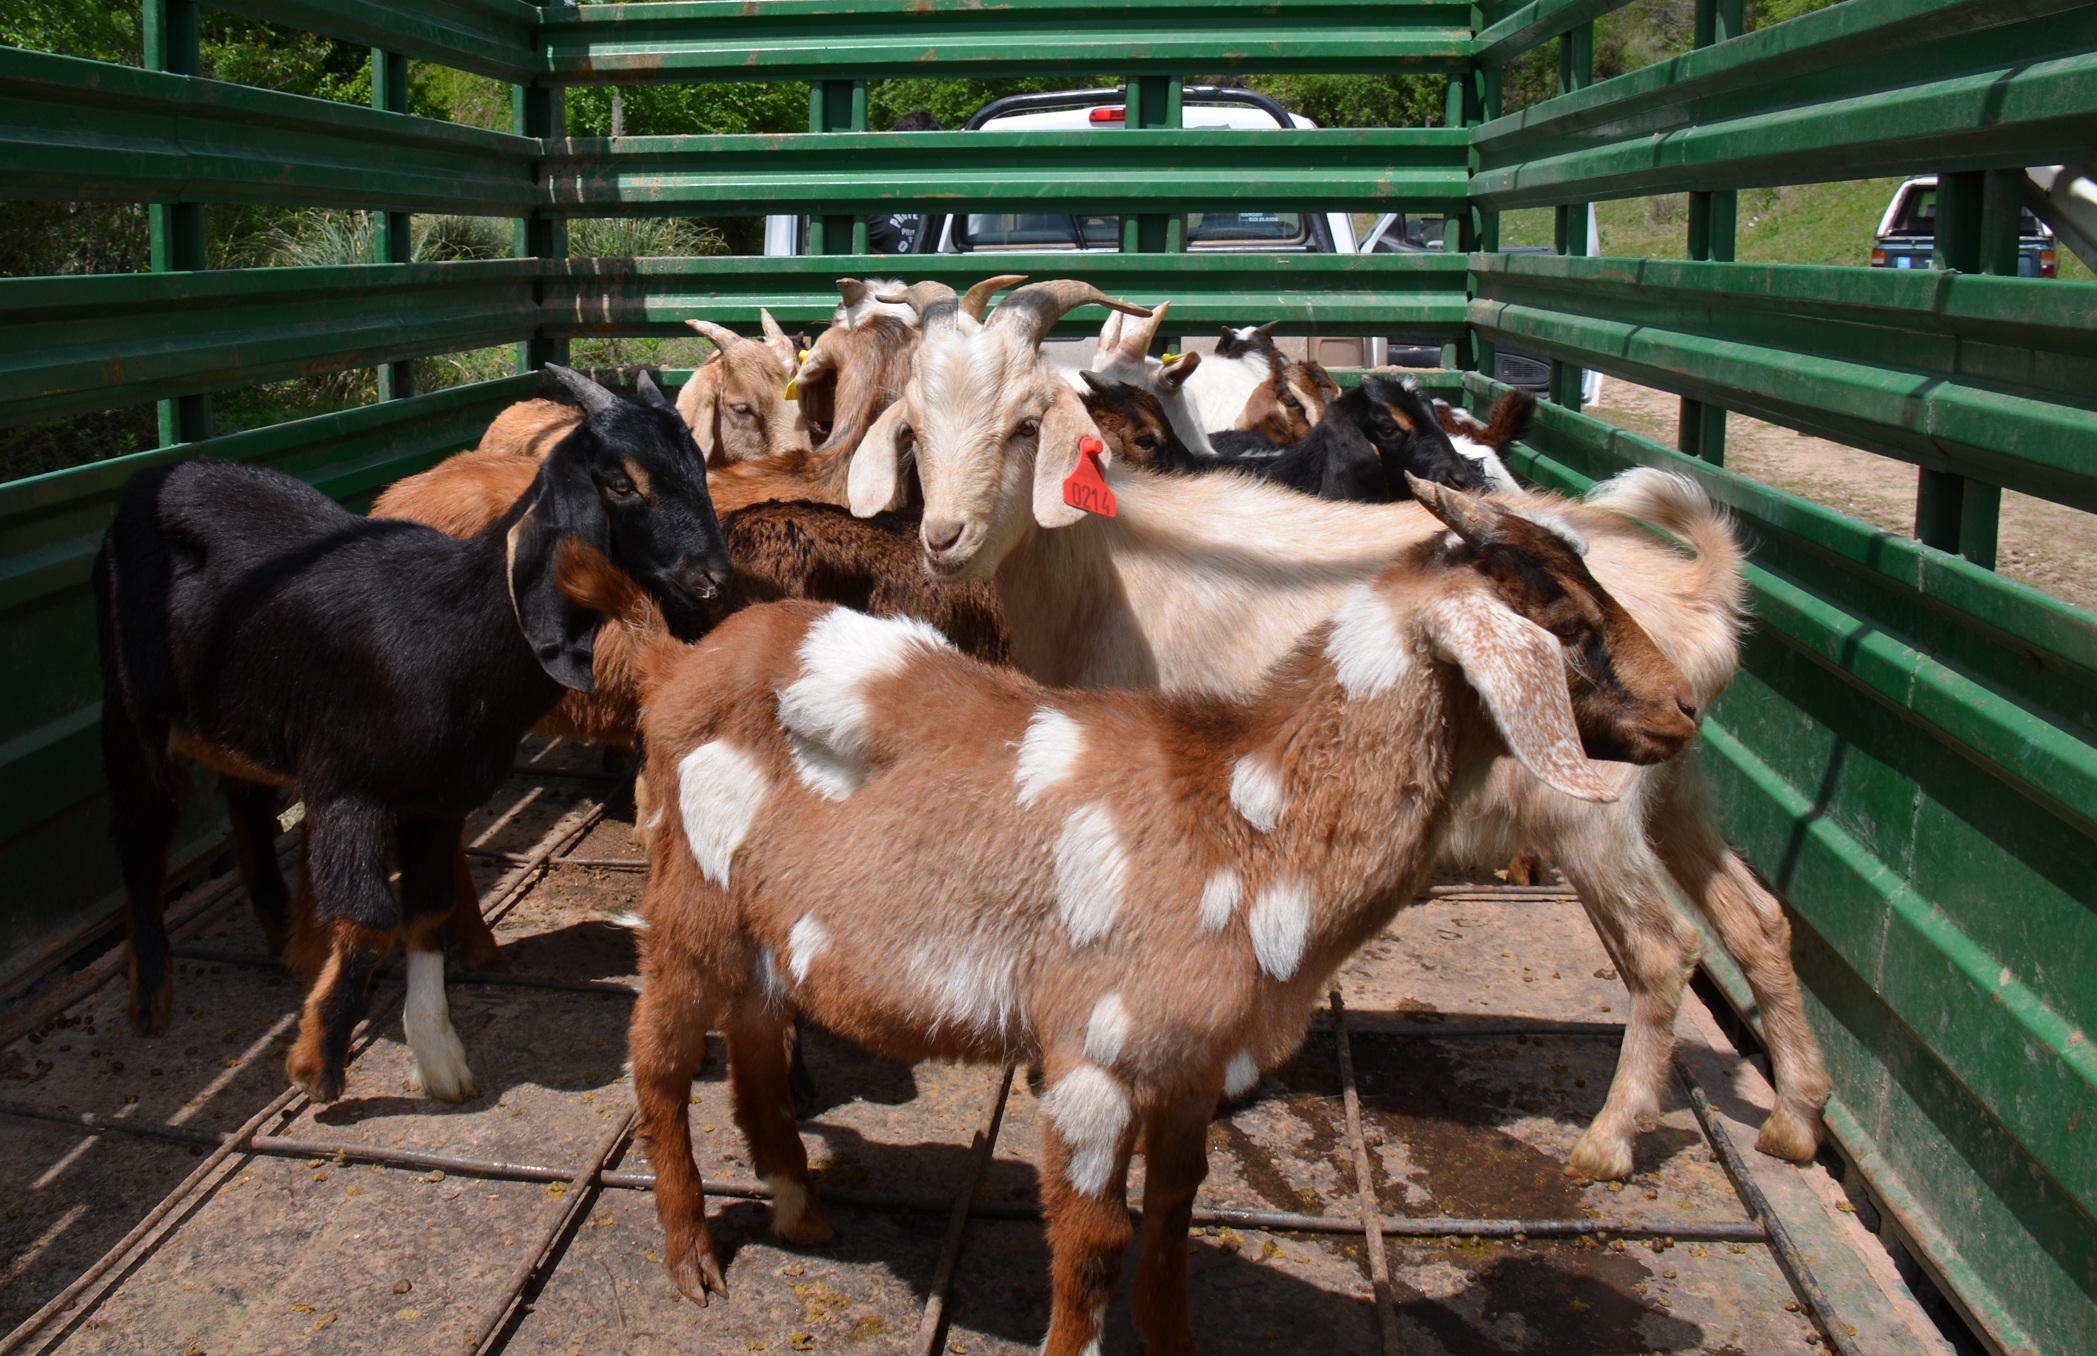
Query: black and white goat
{"x": 1370, "y": 439}
{"x": 382, "y": 669}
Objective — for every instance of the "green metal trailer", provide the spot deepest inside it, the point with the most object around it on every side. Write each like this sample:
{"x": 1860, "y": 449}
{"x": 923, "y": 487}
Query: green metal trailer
{"x": 1909, "y": 754}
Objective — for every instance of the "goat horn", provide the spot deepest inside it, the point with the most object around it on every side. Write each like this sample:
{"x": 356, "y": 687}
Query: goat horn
{"x": 723, "y": 337}
{"x": 588, "y": 394}
{"x": 773, "y": 333}
{"x": 978, "y": 297}
{"x": 1037, "y": 307}
{"x": 852, "y": 290}
{"x": 1137, "y": 338}
{"x": 919, "y": 296}
{"x": 1469, "y": 518}
{"x": 1267, "y": 328}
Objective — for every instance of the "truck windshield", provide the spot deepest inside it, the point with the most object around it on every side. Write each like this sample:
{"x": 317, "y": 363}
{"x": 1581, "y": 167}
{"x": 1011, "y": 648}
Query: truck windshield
{"x": 1918, "y": 215}
{"x": 1063, "y": 231}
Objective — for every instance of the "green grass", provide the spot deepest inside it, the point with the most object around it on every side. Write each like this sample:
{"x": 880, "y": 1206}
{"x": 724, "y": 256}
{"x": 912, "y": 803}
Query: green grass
{"x": 1797, "y": 224}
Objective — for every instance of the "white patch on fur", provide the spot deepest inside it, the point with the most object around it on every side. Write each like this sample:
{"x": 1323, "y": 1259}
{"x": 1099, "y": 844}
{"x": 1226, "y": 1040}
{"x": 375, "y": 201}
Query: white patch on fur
{"x": 1497, "y": 477}
{"x": 632, "y": 920}
{"x": 789, "y": 1202}
{"x": 1459, "y": 414}
{"x": 1047, "y": 753}
{"x": 868, "y": 306}
{"x": 824, "y": 715}
{"x": 1280, "y": 920}
{"x": 968, "y": 969}
{"x": 1219, "y": 899}
{"x": 1367, "y": 650}
{"x": 764, "y": 975}
{"x": 440, "y": 1059}
{"x": 803, "y": 944}
{"x": 1091, "y": 869}
{"x": 719, "y": 792}
{"x": 1240, "y": 1074}
{"x": 1256, "y": 792}
{"x": 1556, "y": 526}
{"x": 1107, "y": 1030}
{"x": 1090, "y": 1112}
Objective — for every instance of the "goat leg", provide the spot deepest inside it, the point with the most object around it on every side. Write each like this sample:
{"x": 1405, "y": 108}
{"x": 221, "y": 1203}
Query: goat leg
{"x": 764, "y": 1111}
{"x": 668, "y": 1044}
{"x": 346, "y": 859}
{"x": 252, "y": 808}
{"x": 430, "y": 852}
{"x": 1085, "y": 1150}
{"x": 1176, "y": 1160}
{"x": 142, "y": 821}
{"x": 468, "y": 926}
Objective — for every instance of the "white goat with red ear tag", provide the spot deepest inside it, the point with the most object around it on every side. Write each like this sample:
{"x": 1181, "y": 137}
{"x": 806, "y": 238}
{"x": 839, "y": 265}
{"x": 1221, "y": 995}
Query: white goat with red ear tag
{"x": 985, "y": 390}
{"x": 1142, "y": 895}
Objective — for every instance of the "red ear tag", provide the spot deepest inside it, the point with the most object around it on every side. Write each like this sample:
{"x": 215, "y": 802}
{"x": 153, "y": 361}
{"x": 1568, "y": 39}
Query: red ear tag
{"x": 1085, "y": 488}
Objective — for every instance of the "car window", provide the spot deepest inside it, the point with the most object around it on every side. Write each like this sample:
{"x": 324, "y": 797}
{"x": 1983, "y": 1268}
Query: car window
{"x": 1246, "y": 228}
{"x": 1038, "y": 231}
{"x": 1918, "y": 215}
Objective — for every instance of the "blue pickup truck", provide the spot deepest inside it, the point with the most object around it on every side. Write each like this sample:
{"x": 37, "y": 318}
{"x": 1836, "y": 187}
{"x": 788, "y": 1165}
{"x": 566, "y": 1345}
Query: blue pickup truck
{"x": 1908, "y": 233}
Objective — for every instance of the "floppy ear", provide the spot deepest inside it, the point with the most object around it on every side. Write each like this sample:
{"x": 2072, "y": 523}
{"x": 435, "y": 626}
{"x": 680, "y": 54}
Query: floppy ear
{"x": 1056, "y": 456}
{"x": 874, "y": 481}
{"x": 1173, "y": 375}
{"x": 698, "y": 402}
{"x": 1518, "y": 669}
{"x": 564, "y": 507}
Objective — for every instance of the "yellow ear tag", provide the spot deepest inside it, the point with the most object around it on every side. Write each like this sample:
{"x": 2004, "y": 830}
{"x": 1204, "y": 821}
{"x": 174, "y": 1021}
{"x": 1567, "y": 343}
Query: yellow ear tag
{"x": 804, "y": 355}
{"x": 1171, "y": 358}
{"x": 790, "y": 383}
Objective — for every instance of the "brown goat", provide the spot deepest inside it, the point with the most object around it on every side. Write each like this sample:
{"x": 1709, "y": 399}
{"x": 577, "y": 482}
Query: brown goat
{"x": 1143, "y": 895}
{"x": 736, "y": 401}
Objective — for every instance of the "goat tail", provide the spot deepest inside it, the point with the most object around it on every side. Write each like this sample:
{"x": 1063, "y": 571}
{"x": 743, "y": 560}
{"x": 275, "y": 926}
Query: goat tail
{"x": 1677, "y": 504}
{"x": 133, "y": 582}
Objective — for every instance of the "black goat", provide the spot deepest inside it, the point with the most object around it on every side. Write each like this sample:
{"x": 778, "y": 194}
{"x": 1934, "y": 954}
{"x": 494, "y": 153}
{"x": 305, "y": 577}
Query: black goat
{"x": 1368, "y": 441}
{"x": 384, "y": 670}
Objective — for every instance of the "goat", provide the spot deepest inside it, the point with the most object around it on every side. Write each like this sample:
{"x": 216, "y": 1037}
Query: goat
{"x": 1142, "y": 895}
{"x": 1133, "y": 424}
{"x": 1123, "y": 355}
{"x": 1370, "y": 439}
{"x": 1483, "y": 443}
{"x": 1202, "y": 582}
{"x": 1290, "y": 399}
{"x": 384, "y": 670}
{"x": 737, "y": 402}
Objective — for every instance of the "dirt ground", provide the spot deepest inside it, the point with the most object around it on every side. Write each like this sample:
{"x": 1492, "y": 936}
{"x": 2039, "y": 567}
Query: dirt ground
{"x": 2042, "y": 544}
{"x": 1483, "y": 1036}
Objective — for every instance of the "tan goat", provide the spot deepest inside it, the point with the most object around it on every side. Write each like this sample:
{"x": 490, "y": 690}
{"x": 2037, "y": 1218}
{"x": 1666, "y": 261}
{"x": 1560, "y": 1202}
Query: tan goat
{"x": 1144, "y": 895}
{"x": 736, "y": 401}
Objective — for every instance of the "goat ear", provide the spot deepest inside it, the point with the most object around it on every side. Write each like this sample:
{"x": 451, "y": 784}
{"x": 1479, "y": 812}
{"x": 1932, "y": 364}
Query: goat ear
{"x": 1518, "y": 669}
{"x": 1173, "y": 375}
{"x": 874, "y": 482}
{"x": 698, "y": 403}
{"x": 651, "y": 394}
{"x": 565, "y": 508}
{"x": 1063, "y": 425}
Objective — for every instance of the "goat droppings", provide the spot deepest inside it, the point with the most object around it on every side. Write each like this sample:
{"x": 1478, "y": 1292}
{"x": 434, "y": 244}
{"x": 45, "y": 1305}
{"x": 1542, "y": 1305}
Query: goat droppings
{"x": 1367, "y": 650}
{"x": 1219, "y": 899}
{"x": 1280, "y": 919}
{"x": 1090, "y": 868}
{"x": 1256, "y": 792}
{"x": 1051, "y": 747}
{"x": 719, "y": 791}
{"x": 1090, "y": 1111}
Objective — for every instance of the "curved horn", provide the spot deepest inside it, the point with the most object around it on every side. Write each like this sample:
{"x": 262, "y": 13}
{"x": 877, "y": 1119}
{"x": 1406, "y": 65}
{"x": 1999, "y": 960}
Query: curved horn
{"x": 1472, "y": 519}
{"x": 978, "y": 297}
{"x": 723, "y": 337}
{"x": 771, "y": 327}
{"x": 1037, "y": 307}
{"x": 1138, "y": 336}
{"x": 588, "y": 394}
{"x": 919, "y": 296}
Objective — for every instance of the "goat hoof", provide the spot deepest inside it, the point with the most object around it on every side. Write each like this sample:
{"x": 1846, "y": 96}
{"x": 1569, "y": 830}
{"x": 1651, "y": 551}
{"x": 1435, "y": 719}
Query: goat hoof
{"x": 1601, "y": 1159}
{"x": 797, "y": 1215}
{"x": 321, "y": 1085}
{"x": 487, "y": 960}
{"x": 445, "y": 1085}
{"x": 1788, "y": 1135}
{"x": 697, "y": 1274}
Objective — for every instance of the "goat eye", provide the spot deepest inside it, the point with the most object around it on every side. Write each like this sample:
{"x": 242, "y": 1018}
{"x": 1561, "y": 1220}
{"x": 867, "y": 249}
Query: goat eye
{"x": 1147, "y": 440}
{"x": 743, "y": 410}
{"x": 620, "y": 486}
{"x": 1027, "y": 428}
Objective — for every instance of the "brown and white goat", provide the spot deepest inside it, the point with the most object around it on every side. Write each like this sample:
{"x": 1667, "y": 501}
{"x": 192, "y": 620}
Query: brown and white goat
{"x": 1249, "y": 383}
{"x": 1485, "y": 442}
{"x": 736, "y": 401}
{"x": 1144, "y": 895}
{"x": 1201, "y": 583}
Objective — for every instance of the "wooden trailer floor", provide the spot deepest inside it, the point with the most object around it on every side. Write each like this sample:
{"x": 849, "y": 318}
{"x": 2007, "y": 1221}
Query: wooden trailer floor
{"x": 1480, "y": 1031}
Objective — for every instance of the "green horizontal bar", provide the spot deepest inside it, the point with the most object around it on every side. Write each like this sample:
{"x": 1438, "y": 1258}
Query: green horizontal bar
{"x": 1939, "y": 369}
{"x": 1308, "y": 293}
{"x": 69, "y": 345}
{"x": 1340, "y": 169}
{"x": 1534, "y": 24}
{"x": 1909, "y": 91}
{"x": 883, "y": 39}
{"x": 88, "y": 130}
{"x": 49, "y": 768}
{"x": 487, "y": 37}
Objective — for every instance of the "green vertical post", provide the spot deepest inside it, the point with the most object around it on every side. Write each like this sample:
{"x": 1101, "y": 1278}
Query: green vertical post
{"x": 389, "y": 94}
{"x": 1486, "y": 85}
{"x": 1977, "y": 219}
{"x": 1153, "y": 103}
{"x": 837, "y": 106}
{"x": 1458, "y": 236}
{"x": 1576, "y": 71}
{"x": 540, "y": 111}
{"x": 175, "y": 230}
{"x": 1713, "y": 230}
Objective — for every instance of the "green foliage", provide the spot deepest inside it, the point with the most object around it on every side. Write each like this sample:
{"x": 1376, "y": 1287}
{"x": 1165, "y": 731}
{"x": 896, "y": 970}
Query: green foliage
{"x": 1358, "y": 100}
{"x": 670, "y": 110}
{"x": 249, "y": 52}
{"x": 1762, "y": 13}
{"x": 81, "y": 28}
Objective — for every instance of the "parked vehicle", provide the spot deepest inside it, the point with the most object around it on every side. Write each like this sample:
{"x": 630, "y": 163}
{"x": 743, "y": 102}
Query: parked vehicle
{"x": 1082, "y": 233}
{"x": 1907, "y": 234}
